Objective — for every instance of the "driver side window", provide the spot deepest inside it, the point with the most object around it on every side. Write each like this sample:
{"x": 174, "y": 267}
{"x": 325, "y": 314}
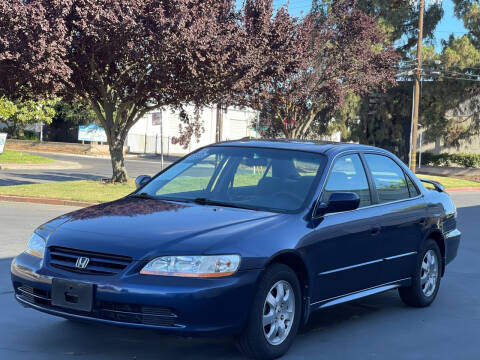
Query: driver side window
{"x": 348, "y": 175}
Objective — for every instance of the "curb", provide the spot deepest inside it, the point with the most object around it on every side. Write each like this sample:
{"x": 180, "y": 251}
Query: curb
{"x": 466, "y": 189}
{"x": 47, "y": 201}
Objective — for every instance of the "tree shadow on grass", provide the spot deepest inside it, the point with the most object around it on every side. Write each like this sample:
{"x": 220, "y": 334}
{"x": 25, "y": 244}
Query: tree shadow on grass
{"x": 24, "y": 178}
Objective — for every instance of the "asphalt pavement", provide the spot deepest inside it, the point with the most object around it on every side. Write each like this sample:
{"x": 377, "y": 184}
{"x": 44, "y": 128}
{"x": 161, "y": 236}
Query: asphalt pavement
{"x": 93, "y": 168}
{"x": 378, "y": 327}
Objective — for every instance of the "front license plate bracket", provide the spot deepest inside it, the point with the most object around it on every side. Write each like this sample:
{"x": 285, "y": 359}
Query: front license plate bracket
{"x": 72, "y": 295}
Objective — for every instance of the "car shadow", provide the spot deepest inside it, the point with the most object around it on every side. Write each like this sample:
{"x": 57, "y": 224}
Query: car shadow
{"x": 336, "y": 316}
{"x": 100, "y": 341}
{"x": 57, "y": 336}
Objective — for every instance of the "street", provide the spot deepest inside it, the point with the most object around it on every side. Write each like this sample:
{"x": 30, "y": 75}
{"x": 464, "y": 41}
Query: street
{"x": 378, "y": 327}
{"x": 93, "y": 168}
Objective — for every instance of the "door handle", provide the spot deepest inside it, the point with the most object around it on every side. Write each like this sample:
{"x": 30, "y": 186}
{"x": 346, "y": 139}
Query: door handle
{"x": 375, "y": 230}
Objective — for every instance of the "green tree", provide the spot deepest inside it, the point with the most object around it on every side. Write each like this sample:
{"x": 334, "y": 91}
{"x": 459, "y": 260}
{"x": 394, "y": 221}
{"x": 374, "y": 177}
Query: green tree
{"x": 460, "y": 53}
{"x": 397, "y": 18}
{"x": 451, "y": 106}
{"x": 69, "y": 115}
{"x": 7, "y": 108}
{"x": 20, "y": 113}
{"x": 469, "y": 12}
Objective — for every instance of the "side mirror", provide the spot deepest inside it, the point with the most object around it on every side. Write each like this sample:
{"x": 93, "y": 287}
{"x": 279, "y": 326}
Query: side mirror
{"x": 339, "y": 202}
{"x": 142, "y": 180}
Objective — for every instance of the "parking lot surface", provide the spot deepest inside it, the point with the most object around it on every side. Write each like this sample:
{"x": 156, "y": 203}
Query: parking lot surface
{"x": 378, "y": 327}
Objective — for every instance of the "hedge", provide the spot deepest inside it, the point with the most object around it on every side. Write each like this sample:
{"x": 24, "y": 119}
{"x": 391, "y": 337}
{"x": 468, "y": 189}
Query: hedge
{"x": 463, "y": 160}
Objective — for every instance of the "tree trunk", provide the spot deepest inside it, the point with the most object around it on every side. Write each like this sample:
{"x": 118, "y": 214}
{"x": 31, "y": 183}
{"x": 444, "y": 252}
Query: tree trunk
{"x": 219, "y": 130}
{"x": 116, "y": 130}
{"x": 116, "y": 135}
{"x": 119, "y": 172}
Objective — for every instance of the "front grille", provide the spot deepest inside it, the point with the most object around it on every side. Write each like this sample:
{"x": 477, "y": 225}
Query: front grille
{"x": 449, "y": 224}
{"x": 106, "y": 310}
{"x": 99, "y": 264}
{"x": 35, "y": 296}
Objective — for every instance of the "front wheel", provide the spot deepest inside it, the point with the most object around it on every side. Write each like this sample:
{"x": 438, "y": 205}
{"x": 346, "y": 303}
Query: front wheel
{"x": 426, "y": 280}
{"x": 275, "y": 315}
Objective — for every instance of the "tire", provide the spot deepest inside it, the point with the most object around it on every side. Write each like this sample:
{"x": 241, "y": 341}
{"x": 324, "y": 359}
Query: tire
{"x": 427, "y": 274}
{"x": 253, "y": 342}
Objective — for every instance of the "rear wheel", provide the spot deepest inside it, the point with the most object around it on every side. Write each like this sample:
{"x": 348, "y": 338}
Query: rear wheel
{"x": 275, "y": 315}
{"x": 426, "y": 280}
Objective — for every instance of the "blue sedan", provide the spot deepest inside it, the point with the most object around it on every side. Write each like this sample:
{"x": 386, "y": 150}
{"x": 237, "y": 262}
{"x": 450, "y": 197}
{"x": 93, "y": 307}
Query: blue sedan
{"x": 245, "y": 238}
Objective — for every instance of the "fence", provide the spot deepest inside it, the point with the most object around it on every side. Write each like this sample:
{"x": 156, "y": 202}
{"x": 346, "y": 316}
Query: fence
{"x": 152, "y": 144}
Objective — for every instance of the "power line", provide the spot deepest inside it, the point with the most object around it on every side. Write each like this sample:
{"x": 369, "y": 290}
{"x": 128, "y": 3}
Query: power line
{"x": 458, "y": 78}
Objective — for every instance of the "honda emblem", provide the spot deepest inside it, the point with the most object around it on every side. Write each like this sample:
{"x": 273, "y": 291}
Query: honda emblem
{"x": 82, "y": 262}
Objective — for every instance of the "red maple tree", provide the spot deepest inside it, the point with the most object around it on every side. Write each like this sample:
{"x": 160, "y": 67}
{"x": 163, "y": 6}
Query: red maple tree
{"x": 128, "y": 57}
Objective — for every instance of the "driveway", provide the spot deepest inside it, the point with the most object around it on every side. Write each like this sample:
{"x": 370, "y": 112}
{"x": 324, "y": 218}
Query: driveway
{"x": 378, "y": 327}
{"x": 92, "y": 168}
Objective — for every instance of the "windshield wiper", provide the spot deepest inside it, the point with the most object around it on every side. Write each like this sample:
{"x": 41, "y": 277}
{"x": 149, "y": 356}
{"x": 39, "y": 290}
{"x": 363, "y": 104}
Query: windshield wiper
{"x": 143, "y": 195}
{"x": 205, "y": 201}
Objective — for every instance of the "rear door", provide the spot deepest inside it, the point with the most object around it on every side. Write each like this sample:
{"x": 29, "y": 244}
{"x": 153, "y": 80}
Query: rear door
{"x": 400, "y": 217}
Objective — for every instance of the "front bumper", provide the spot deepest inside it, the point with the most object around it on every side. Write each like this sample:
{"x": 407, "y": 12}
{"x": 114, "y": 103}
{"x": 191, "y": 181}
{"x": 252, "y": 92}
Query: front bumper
{"x": 182, "y": 306}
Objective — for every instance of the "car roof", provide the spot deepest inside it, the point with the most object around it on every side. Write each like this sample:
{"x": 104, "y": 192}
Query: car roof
{"x": 322, "y": 147}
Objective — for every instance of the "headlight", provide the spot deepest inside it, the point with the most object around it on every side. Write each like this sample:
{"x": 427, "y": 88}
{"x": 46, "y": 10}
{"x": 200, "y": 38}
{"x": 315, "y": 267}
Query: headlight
{"x": 193, "y": 266}
{"x": 36, "y": 246}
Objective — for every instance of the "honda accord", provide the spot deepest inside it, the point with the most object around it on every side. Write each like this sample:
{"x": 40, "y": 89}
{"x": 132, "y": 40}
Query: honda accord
{"x": 245, "y": 238}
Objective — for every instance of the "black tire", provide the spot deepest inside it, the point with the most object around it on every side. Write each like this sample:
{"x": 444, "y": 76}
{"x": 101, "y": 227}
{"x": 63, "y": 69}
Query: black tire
{"x": 252, "y": 342}
{"x": 414, "y": 295}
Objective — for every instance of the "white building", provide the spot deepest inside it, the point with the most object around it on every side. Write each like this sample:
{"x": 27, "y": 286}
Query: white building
{"x": 147, "y": 134}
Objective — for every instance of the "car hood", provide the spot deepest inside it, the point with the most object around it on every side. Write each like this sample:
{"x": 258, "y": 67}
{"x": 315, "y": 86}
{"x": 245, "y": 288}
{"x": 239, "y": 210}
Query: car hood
{"x": 141, "y": 227}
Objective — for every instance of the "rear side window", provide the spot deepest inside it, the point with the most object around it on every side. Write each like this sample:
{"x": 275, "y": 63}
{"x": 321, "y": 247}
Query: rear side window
{"x": 348, "y": 175}
{"x": 412, "y": 188}
{"x": 389, "y": 178}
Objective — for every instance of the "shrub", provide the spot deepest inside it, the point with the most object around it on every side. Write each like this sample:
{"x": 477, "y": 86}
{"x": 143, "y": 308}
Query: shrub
{"x": 466, "y": 160}
{"x": 429, "y": 159}
{"x": 444, "y": 159}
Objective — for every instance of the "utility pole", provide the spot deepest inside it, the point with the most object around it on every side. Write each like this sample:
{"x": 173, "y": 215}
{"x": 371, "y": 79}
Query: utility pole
{"x": 416, "y": 103}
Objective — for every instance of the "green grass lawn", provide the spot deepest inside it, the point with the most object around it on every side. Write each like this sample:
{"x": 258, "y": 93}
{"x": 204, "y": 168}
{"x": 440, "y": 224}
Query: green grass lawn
{"x": 84, "y": 190}
{"x": 17, "y": 157}
{"x": 450, "y": 182}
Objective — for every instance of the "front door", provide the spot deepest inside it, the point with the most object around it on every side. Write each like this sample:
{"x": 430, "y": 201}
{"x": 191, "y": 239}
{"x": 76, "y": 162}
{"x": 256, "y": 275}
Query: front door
{"x": 344, "y": 249}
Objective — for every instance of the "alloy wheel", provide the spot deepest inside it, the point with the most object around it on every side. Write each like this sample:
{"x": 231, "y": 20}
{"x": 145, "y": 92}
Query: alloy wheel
{"x": 429, "y": 275}
{"x": 278, "y": 312}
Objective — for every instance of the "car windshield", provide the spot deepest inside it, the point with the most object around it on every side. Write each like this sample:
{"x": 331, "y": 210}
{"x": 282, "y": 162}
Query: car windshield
{"x": 252, "y": 178}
